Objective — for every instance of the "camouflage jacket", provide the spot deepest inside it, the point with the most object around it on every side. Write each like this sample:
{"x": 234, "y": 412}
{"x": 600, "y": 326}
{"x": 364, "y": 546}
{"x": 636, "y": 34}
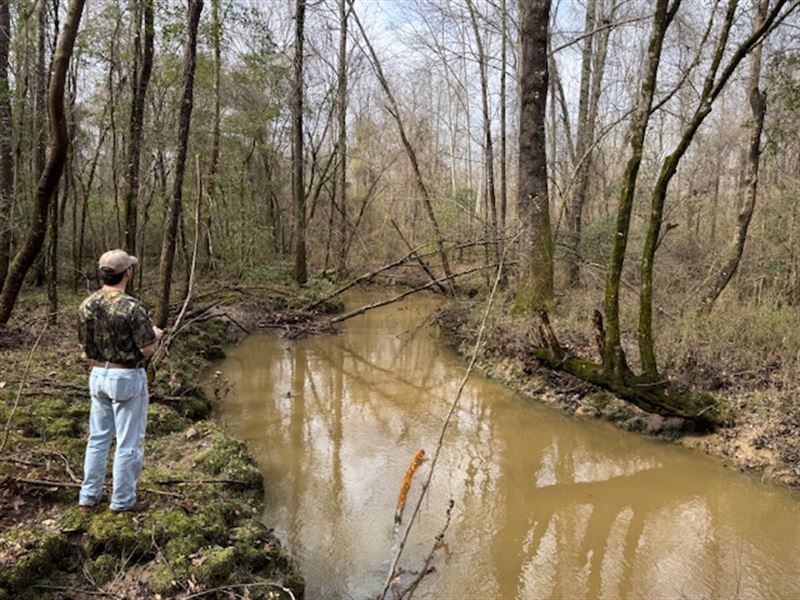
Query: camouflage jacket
{"x": 112, "y": 326}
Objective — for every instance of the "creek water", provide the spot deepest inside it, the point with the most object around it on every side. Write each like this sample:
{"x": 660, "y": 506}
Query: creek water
{"x": 546, "y": 505}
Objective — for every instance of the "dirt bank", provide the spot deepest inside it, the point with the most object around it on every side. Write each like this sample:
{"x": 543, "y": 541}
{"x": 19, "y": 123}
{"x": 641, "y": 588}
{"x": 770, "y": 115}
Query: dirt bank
{"x": 765, "y": 438}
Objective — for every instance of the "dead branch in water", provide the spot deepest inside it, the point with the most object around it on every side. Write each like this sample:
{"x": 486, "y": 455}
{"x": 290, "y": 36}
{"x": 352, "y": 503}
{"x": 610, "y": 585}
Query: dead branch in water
{"x": 294, "y": 324}
{"x": 420, "y": 288}
{"x": 427, "y": 569}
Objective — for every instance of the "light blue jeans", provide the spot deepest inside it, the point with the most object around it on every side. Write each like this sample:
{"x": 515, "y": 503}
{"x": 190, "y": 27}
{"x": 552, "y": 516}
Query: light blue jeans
{"x": 119, "y": 406}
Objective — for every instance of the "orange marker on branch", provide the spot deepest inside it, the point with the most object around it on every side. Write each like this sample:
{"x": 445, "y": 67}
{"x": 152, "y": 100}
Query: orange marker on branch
{"x": 401, "y": 499}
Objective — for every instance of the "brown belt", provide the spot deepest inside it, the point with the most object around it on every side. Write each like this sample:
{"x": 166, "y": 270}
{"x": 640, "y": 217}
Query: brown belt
{"x": 112, "y": 365}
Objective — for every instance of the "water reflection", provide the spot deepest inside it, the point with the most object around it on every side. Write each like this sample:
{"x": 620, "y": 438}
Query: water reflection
{"x": 546, "y": 506}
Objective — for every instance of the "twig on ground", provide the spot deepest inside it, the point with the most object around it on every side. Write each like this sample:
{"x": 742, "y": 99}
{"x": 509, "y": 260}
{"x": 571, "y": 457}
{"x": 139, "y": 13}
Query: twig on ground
{"x": 67, "y": 467}
{"x": 199, "y": 481}
{"x": 453, "y": 406}
{"x": 45, "y": 482}
{"x": 19, "y": 461}
{"x": 76, "y": 590}
{"x": 162, "y": 493}
{"x": 21, "y": 385}
{"x": 240, "y": 586}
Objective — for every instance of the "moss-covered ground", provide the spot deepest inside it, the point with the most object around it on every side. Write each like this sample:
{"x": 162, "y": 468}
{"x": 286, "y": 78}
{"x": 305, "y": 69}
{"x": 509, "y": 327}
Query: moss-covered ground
{"x": 202, "y": 533}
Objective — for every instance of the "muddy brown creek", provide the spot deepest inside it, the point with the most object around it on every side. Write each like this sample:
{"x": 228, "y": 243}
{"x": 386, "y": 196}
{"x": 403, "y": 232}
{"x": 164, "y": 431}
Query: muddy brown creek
{"x": 546, "y": 505}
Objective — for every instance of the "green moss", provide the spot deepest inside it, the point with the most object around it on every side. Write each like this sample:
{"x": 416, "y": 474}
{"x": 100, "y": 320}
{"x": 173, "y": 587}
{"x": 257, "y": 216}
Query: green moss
{"x": 44, "y": 552}
{"x": 227, "y": 458}
{"x": 61, "y": 427}
{"x": 194, "y": 406}
{"x": 163, "y": 420}
{"x": 218, "y": 566}
{"x": 118, "y": 533}
{"x": 104, "y": 567}
{"x": 162, "y": 580}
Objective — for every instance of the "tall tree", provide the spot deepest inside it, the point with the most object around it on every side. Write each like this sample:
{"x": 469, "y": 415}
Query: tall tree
{"x": 140, "y": 80}
{"x": 40, "y": 114}
{"x": 488, "y": 150}
{"x": 614, "y": 361}
{"x": 216, "y": 37}
{"x": 298, "y": 184}
{"x": 175, "y": 209}
{"x": 48, "y": 182}
{"x": 341, "y": 269}
{"x": 716, "y": 78}
{"x": 6, "y": 157}
{"x": 394, "y": 111}
{"x": 582, "y": 142}
{"x": 503, "y": 124}
{"x": 535, "y": 287}
{"x": 749, "y": 188}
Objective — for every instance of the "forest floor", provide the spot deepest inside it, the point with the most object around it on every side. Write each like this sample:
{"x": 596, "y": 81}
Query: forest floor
{"x": 757, "y": 377}
{"x": 202, "y": 535}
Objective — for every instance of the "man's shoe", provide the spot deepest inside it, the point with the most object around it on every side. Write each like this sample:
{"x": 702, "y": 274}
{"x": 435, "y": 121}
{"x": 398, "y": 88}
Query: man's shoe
{"x": 137, "y": 507}
{"x": 86, "y": 508}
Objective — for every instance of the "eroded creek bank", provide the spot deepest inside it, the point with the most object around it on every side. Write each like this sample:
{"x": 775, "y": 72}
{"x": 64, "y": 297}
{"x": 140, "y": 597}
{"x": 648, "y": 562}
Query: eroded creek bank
{"x": 546, "y": 504}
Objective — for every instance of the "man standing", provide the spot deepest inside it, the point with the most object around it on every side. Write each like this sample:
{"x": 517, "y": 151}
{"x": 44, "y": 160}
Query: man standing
{"x": 117, "y": 336}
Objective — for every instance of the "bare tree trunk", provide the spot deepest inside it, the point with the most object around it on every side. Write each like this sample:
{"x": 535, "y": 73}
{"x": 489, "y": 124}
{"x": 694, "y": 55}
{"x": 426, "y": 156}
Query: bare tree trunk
{"x": 614, "y": 362}
{"x": 6, "y": 158}
{"x": 503, "y": 127}
{"x": 53, "y": 168}
{"x": 176, "y": 203}
{"x": 298, "y": 184}
{"x": 213, "y": 186}
{"x": 140, "y": 80}
{"x": 748, "y": 191}
{"x": 341, "y": 266}
{"x": 535, "y": 290}
{"x": 579, "y": 193}
{"x": 51, "y": 259}
{"x": 488, "y": 151}
{"x": 40, "y": 116}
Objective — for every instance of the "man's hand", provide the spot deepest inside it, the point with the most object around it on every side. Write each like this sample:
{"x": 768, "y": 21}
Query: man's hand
{"x": 148, "y": 351}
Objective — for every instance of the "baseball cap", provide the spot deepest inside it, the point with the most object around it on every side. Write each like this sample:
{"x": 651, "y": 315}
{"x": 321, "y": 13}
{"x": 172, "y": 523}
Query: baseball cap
{"x": 116, "y": 261}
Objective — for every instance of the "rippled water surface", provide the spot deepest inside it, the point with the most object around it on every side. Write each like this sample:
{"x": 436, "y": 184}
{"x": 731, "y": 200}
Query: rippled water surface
{"x": 546, "y": 505}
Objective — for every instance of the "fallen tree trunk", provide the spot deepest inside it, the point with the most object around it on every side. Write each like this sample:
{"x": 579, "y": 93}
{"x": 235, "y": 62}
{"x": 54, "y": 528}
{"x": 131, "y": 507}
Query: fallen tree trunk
{"x": 659, "y": 397}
